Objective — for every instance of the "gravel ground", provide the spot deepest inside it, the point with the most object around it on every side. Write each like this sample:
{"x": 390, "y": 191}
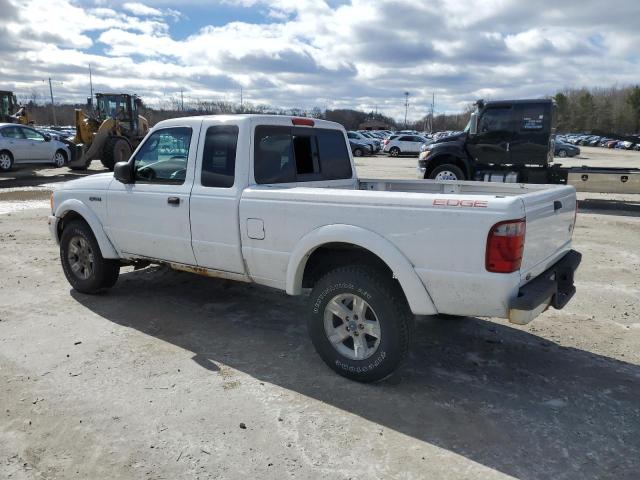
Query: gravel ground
{"x": 171, "y": 375}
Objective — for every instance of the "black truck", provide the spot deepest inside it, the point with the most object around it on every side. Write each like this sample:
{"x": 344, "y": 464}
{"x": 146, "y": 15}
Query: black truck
{"x": 513, "y": 141}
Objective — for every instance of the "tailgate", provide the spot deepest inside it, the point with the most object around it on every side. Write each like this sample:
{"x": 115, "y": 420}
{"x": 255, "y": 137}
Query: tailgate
{"x": 550, "y": 216}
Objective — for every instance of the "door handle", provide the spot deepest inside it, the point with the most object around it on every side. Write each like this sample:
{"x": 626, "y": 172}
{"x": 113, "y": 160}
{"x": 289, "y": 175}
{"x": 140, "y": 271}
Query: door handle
{"x": 557, "y": 205}
{"x": 173, "y": 200}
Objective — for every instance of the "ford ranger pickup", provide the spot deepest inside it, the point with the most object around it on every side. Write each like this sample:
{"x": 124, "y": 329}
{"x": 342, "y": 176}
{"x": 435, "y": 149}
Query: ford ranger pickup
{"x": 276, "y": 200}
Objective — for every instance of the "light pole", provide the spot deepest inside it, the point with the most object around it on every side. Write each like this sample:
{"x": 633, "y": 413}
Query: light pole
{"x": 406, "y": 108}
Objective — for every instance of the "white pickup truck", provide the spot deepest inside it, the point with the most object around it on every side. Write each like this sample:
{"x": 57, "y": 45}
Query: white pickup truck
{"x": 276, "y": 201}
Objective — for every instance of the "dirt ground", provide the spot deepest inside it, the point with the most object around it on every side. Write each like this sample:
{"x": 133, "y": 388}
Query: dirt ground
{"x": 171, "y": 375}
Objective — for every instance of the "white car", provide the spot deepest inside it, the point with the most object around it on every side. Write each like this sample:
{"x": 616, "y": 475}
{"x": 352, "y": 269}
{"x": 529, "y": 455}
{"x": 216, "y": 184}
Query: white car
{"x": 275, "y": 200}
{"x": 404, "y": 144}
{"x": 20, "y": 145}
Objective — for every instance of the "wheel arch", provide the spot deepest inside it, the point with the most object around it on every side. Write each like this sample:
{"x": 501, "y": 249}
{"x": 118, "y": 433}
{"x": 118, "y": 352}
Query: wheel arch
{"x": 368, "y": 244}
{"x": 73, "y": 209}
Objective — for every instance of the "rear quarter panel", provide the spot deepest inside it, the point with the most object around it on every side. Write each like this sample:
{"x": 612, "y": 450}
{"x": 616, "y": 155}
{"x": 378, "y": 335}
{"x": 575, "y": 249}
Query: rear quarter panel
{"x": 443, "y": 238}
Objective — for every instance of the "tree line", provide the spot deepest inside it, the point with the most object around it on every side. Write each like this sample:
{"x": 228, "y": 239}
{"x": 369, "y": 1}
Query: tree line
{"x": 613, "y": 110}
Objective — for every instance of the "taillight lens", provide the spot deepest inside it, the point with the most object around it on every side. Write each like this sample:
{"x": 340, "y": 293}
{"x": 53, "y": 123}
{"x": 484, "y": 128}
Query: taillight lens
{"x": 505, "y": 246}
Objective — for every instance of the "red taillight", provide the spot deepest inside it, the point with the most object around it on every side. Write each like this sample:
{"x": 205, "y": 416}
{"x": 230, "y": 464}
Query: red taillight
{"x": 303, "y": 121}
{"x": 505, "y": 245}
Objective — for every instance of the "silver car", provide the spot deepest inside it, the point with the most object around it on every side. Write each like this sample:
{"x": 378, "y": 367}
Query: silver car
{"x": 21, "y": 144}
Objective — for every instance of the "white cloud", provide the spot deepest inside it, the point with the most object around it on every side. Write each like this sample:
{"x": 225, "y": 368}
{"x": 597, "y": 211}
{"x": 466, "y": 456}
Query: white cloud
{"x": 142, "y": 10}
{"x": 326, "y": 53}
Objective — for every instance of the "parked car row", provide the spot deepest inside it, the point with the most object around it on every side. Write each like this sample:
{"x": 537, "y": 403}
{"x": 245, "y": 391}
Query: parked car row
{"x": 598, "y": 141}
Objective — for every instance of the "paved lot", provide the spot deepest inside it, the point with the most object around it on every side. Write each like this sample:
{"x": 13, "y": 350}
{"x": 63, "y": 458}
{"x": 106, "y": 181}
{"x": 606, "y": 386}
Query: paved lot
{"x": 157, "y": 378}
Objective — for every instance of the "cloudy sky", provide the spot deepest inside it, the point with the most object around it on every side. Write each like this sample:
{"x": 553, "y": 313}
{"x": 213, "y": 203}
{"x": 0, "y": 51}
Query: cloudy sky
{"x": 325, "y": 53}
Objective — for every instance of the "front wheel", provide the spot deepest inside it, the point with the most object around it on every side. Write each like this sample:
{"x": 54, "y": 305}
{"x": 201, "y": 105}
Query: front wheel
{"x": 359, "y": 323}
{"x": 447, "y": 172}
{"x": 394, "y": 151}
{"x": 562, "y": 153}
{"x": 357, "y": 152}
{"x": 82, "y": 262}
{"x": 116, "y": 149}
{"x": 59, "y": 159}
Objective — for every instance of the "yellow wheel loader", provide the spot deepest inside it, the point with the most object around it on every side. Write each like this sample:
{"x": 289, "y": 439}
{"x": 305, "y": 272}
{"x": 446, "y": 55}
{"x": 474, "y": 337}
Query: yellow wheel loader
{"x": 9, "y": 105}
{"x": 109, "y": 133}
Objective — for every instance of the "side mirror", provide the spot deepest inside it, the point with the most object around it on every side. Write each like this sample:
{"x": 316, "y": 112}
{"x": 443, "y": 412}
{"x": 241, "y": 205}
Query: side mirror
{"x": 473, "y": 126}
{"x": 123, "y": 172}
{"x": 47, "y": 137}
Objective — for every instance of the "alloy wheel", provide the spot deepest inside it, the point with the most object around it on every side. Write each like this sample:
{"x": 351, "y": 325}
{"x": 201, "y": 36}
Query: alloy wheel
{"x": 351, "y": 326}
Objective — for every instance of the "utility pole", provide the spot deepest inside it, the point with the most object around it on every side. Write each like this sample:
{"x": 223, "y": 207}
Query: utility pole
{"x": 406, "y": 108}
{"x": 53, "y": 108}
{"x": 181, "y": 99}
{"x": 241, "y": 101}
{"x": 433, "y": 102}
{"x": 90, "y": 84}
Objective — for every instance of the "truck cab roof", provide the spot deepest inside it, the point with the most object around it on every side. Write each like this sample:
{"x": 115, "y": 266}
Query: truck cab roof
{"x": 255, "y": 119}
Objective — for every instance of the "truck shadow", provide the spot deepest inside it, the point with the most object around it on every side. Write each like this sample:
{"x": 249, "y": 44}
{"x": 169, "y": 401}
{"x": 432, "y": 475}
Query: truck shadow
{"x": 502, "y": 397}
{"x": 625, "y": 208}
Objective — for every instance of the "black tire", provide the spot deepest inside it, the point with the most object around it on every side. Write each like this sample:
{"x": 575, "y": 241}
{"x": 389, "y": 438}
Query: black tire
{"x": 63, "y": 155}
{"x": 103, "y": 273}
{"x": 6, "y": 161}
{"x": 116, "y": 149}
{"x": 394, "y": 151}
{"x": 358, "y": 152}
{"x": 562, "y": 153}
{"x": 448, "y": 167}
{"x": 386, "y": 303}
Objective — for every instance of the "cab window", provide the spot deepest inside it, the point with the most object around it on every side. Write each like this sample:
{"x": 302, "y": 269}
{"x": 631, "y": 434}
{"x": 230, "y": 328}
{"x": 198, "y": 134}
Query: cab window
{"x": 163, "y": 156}
{"x": 219, "y": 156}
{"x": 495, "y": 120}
{"x": 298, "y": 154}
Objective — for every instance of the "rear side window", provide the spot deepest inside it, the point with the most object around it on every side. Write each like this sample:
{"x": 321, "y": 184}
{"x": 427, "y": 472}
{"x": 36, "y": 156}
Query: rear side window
{"x": 293, "y": 154}
{"x": 219, "y": 156}
{"x": 12, "y": 132}
{"x": 334, "y": 157}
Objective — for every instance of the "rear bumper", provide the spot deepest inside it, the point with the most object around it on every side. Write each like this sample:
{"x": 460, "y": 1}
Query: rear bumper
{"x": 554, "y": 287}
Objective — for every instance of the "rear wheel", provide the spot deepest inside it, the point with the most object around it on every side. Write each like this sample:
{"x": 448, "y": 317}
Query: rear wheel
{"x": 562, "y": 153}
{"x": 447, "y": 172}
{"x": 360, "y": 322}
{"x": 358, "y": 152}
{"x": 6, "y": 161}
{"x": 394, "y": 151}
{"x": 116, "y": 149}
{"x": 85, "y": 268}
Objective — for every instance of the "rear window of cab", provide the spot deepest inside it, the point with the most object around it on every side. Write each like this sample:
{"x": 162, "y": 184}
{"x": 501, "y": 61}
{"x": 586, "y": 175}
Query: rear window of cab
{"x": 299, "y": 154}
